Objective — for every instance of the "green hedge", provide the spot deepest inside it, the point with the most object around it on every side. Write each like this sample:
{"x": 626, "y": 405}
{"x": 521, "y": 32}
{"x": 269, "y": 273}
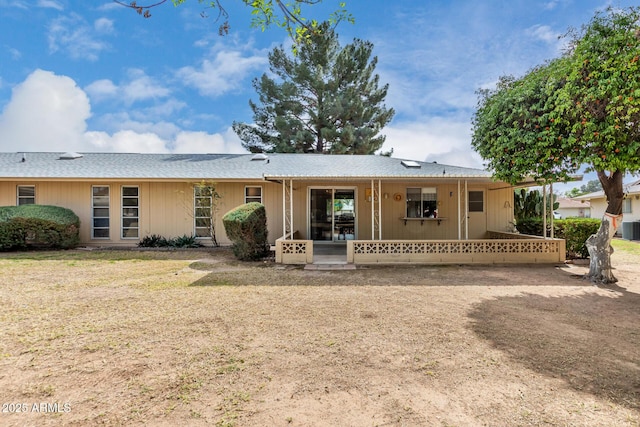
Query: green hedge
{"x": 246, "y": 227}
{"x": 38, "y": 225}
{"x": 575, "y": 231}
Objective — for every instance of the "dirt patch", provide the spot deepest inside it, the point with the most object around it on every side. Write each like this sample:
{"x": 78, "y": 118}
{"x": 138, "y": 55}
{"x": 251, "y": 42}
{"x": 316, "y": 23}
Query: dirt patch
{"x": 192, "y": 338}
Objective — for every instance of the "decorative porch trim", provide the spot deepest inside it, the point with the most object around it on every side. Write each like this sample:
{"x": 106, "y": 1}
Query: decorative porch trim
{"x": 289, "y": 251}
{"x": 489, "y": 251}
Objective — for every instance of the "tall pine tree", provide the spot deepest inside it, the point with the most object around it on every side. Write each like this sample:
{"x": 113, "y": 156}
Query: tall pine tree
{"x": 325, "y": 99}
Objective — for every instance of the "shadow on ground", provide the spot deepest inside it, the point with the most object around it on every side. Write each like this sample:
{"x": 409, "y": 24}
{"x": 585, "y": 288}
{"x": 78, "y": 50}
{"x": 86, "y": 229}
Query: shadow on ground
{"x": 591, "y": 341}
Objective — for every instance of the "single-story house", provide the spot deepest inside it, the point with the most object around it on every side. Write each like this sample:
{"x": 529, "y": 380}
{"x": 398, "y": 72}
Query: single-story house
{"x": 381, "y": 209}
{"x": 571, "y": 208}
{"x": 630, "y": 205}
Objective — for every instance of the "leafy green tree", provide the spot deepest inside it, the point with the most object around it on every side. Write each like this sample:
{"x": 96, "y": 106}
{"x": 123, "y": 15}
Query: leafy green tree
{"x": 591, "y": 186}
{"x": 582, "y": 108}
{"x": 265, "y": 13}
{"x": 325, "y": 99}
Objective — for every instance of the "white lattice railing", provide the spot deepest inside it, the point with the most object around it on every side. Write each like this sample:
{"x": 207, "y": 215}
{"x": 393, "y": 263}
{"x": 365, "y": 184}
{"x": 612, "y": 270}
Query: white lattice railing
{"x": 294, "y": 251}
{"x": 536, "y": 250}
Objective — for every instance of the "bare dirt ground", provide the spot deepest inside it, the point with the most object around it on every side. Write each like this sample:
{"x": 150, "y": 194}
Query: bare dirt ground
{"x": 196, "y": 338}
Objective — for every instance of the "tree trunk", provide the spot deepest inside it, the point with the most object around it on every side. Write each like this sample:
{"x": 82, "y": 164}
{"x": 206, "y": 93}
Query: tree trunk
{"x": 599, "y": 244}
{"x": 600, "y": 250}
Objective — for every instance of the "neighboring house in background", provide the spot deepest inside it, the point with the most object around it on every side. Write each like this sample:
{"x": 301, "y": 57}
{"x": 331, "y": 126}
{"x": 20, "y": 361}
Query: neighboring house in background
{"x": 570, "y": 208}
{"x": 309, "y": 198}
{"x": 630, "y": 205}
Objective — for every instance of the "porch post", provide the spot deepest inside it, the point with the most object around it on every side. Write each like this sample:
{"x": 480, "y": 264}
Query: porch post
{"x": 466, "y": 210}
{"x": 291, "y": 229}
{"x": 544, "y": 210}
{"x": 284, "y": 209}
{"x": 459, "y": 214}
{"x": 373, "y": 213}
{"x": 551, "y": 207}
{"x": 379, "y": 209}
{"x": 287, "y": 211}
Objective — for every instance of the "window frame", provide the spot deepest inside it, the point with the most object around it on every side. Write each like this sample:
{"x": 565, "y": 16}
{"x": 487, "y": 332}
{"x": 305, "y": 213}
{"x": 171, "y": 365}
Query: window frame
{"x": 626, "y": 206}
{"x": 124, "y": 197}
{"x": 475, "y": 202}
{"x": 252, "y": 198}
{"x": 428, "y": 205}
{"x": 95, "y": 206}
{"x": 196, "y": 217}
{"x": 19, "y": 197}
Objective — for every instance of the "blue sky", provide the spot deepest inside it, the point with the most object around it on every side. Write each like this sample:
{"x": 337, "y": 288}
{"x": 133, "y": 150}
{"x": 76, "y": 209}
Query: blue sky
{"x": 94, "y": 76}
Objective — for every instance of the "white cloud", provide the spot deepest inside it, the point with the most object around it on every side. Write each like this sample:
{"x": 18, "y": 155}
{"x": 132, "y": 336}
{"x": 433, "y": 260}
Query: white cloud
{"x": 138, "y": 86}
{"x": 15, "y": 4}
{"x": 142, "y": 87}
{"x": 126, "y": 141}
{"x": 101, "y": 89}
{"x": 201, "y": 142}
{"x": 103, "y": 25}
{"x": 15, "y": 53}
{"x": 49, "y": 4}
{"x": 45, "y": 110}
{"x": 550, "y": 5}
{"x": 544, "y": 33}
{"x": 444, "y": 140}
{"x": 48, "y": 112}
{"x": 74, "y": 36}
{"x": 221, "y": 74}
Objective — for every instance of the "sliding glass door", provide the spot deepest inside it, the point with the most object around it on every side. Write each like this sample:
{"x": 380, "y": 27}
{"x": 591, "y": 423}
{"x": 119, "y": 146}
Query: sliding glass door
{"x": 332, "y": 214}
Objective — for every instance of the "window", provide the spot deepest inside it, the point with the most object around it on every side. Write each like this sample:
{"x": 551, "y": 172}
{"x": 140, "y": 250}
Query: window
{"x": 202, "y": 210}
{"x": 422, "y": 202}
{"x": 253, "y": 194}
{"x": 476, "y": 201}
{"x": 26, "y": 195}
{"x": 130, "y": 212}
{"x": 626, "y": 206}
{"x": 100, "y": 212}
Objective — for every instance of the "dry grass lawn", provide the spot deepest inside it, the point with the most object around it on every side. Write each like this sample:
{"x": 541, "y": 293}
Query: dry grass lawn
{"x": 196, "y": 338}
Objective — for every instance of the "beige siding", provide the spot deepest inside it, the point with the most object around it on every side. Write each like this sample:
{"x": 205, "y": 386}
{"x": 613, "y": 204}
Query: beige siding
{"x": 498, "y": 216}
{"x": 166, "y": 208}
{"x": 499, "y": 208}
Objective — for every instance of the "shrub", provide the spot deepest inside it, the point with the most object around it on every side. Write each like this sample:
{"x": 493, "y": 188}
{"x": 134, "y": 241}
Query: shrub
{"x": 156, "y": 241}
{"x": 575, "y": 231}
{"x": 38, "y": 225}
{"x": 246, "y": 227}
{"x": 153, "y": 241}
{"x": 184, "y": 241}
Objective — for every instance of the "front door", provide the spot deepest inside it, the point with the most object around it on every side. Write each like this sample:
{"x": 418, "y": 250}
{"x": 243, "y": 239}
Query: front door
{"x": 477, "y": 214}
{"x": 332, "y": 214}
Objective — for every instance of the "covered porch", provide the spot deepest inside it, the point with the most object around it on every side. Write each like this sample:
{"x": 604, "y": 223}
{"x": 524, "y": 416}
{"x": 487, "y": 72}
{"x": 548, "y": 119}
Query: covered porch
{"x": 367, "y": 241}
{"x": 498, "y": 248}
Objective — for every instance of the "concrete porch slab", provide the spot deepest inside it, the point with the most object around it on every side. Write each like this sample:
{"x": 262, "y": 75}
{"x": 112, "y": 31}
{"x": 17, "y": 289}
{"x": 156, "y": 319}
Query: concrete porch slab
{"x": 332, "y": 267}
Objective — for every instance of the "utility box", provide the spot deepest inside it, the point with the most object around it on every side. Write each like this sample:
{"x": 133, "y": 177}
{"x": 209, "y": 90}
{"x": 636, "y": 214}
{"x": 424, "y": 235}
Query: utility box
{"x": 631, "y": 230}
